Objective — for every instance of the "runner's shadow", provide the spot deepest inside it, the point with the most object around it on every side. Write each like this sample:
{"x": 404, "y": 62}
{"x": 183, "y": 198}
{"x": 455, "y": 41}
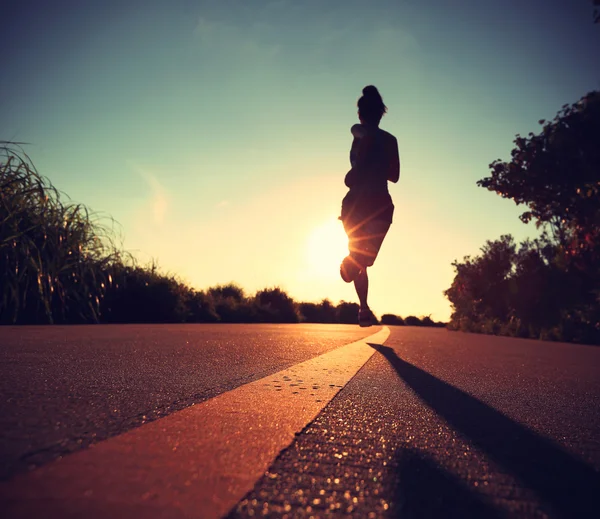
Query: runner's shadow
{"x": 569, "y": 486}
{"x": 427, "y": 490}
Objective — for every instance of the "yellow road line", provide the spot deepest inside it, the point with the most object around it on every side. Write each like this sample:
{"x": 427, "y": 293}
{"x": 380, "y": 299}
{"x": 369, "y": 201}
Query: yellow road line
{"x": 197, "y": 462}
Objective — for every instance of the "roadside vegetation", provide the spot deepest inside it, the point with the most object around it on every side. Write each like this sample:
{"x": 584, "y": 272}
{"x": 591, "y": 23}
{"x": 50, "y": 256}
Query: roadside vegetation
{"x": 411, "y": 320}
{"x": 547, "y": 288}
{"x": 55, "y": 256}
{"x": 62, "y": 263}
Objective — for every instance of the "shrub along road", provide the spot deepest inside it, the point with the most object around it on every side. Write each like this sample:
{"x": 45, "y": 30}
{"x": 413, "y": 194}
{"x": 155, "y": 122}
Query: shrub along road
{"x": 434, "y": 424}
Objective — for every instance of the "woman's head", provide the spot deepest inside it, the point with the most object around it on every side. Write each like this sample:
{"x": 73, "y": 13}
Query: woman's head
{"x": 370, "y": 106}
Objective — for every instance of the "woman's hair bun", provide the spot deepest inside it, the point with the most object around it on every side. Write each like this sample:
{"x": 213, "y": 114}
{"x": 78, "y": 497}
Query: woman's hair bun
{"x": 370, "y": 105}
{"x": 371, "y": 91}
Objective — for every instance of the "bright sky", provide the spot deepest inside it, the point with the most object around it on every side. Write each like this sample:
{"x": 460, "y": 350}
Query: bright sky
{"x": 217, "y": 132}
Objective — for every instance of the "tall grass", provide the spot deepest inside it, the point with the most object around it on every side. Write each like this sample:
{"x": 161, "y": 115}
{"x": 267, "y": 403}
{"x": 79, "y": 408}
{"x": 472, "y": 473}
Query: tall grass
{"x": 54, "y": 254}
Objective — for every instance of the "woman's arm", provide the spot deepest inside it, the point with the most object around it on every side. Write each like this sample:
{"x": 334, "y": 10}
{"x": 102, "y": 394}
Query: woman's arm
{"x": 394, "y": 164}
{"x": 362, "y": 155}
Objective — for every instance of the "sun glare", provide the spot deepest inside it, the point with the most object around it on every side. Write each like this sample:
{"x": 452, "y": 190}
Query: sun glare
{"x": 326, "y": 247}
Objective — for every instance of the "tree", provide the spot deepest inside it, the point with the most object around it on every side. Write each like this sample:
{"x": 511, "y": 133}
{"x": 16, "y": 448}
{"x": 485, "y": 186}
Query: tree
{"x": 309, "y": 312}
{"x": 392, "y": 320}
{"x": 556, "y": 174}
{"x": 232, "y": 305}
{"x": 411, "y": 320}
{"x": 323, "y": 312}
{"x": 531, "y": 294}
{"x": 228, "y": 291}
{"x": 480, "y": 289}
{"x": 327, "y": 312}
{"x": 276, "y": 306}
{"x": 347, "y": 313}
{"x": 142, "y": 295}
{"x": 201, "y": 308}
{"x": 427, "y": 321}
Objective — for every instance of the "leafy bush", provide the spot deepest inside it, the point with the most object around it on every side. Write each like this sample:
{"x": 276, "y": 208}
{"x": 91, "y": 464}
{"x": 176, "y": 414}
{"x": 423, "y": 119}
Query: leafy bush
{"x": 323, "y": 312}
{"x": 547, "y": 288}
{"x": 529, "y": 293}
{"x": 347, "y": 313}
{"x": 229, "y": 291}
{"x": 232, "y": 306}
{"x": 392, "y": 320}
{"x": 309, "y": 312}
{"x": 138, "y": 295}
{"x": 201, "y": 308}
{"x": 275, "y": 306}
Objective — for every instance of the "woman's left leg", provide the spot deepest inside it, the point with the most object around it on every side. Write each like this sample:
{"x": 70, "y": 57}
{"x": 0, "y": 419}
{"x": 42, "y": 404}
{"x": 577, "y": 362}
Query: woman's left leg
{"x": 361, "y": 284}
{"x": 373, "y": 235}
{"x": 364, "y": 242}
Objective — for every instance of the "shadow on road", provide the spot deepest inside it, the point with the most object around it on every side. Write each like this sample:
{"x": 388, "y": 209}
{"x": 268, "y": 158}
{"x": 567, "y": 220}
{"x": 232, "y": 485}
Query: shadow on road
{"x": 427, "y": 490}
{"x": 567, "y": 485}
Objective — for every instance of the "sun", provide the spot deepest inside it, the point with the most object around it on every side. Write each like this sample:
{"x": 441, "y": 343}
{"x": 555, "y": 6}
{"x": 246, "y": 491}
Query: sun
{"x": 326, "y": 246}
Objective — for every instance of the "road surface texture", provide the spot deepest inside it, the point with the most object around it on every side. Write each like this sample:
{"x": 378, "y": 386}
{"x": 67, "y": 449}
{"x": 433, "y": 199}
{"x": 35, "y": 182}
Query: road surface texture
{"x": 435, "y": 424}
{"x": 66, "y": 387}
{"x": 442, "y": 424}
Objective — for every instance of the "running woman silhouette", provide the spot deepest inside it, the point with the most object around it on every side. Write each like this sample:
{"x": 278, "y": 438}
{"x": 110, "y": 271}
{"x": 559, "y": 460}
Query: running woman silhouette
{"x": 367, "y": 208}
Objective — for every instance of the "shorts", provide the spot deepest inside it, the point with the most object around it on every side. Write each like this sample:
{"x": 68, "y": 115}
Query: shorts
{"x": 364, "y": 241}
{"x": 367, "y": 218}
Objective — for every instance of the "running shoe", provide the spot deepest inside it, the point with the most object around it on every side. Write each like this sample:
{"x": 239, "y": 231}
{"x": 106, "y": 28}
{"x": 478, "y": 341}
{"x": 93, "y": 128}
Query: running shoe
{"x": 365, "y": 318}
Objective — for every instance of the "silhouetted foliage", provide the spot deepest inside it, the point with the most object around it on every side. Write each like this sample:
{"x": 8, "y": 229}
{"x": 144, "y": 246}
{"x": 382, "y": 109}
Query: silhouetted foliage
{"x": 201, "y": 308}
{"x": 309, "y": 312}
{"x": 275, "y": 306}
{"x": 232, "y": 305}
{"x": 411, "y": 320}
{"x": 392, "y": 320}
{"x": 347, "y": 312}
{"x": 54, "y": 254}
{"x": 138, "y": 295}
{"x": 556, "y": 174}
{"x": 327, "y": 310}
{"x": 479, "y": 288}
{"x": 524, "y": 292}
{"x": 229, "y": 291}
{"x": 427, "y": 321}
{"x": 549, "y": 287}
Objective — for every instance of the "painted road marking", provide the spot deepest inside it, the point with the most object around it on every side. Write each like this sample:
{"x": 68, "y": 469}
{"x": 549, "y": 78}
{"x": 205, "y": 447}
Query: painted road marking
{"x": 198, "y": 462}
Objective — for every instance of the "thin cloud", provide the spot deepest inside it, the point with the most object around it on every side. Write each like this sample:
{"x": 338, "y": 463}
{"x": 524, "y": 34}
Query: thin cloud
{"x": 331, "y": 46}
{"x": 158, "y": 201}
{"x": 243, "y": 41}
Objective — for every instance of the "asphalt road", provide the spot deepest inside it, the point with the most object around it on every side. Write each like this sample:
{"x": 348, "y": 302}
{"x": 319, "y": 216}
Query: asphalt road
{"x": 442, "y": 424}
{"x": 435, "y": 424}
{"x": 65, "y": 387}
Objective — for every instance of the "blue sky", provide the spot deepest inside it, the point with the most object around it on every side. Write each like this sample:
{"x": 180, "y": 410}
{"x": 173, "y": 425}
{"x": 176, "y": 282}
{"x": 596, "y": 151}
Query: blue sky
{"x": 217, "y": 133}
